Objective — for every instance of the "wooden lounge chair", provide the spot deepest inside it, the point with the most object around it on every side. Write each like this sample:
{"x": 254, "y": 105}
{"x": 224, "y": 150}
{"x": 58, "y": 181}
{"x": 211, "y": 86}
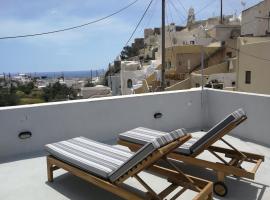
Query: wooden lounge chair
{"x": 108, "y": 166}
{"x": 188, "y": 152}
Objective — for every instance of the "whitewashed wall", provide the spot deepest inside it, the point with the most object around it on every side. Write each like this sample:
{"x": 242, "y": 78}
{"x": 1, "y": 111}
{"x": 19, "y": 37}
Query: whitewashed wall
{"x": 103, "y": 119}
{"x": 98, "y": 119}
{"x": 256, "y": 127}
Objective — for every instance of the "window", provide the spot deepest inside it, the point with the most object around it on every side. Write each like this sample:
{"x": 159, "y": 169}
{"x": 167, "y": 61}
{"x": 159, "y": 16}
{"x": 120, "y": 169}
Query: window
{"x": 169, "y": 64}
{"x": 248, "y": 77}
{"x": 229, "y": 54}
{"x": 174, "y": 40}
{"x": 129, "y": 83}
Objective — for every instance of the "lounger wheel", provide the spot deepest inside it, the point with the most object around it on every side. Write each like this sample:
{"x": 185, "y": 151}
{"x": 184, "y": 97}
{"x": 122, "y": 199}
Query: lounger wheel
{"x": 220, "y": 189}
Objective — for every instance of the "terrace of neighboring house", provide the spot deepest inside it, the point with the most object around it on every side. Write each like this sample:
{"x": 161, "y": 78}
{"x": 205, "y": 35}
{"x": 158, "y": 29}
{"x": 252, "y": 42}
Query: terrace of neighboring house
{"x": 23, "y": 163}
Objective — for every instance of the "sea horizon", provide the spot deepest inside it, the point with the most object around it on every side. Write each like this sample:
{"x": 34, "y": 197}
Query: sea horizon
{"x": 67, "y": 74}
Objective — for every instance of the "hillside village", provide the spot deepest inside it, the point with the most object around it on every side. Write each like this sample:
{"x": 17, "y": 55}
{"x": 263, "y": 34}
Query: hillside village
{"x": 229, "y": 50}
{"x": 181, "y": 111}
{"x": 228, "y": 53}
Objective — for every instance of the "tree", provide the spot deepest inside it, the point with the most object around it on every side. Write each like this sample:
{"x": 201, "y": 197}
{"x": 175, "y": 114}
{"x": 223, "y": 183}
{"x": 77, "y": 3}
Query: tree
{"x": 8, "y": 98}
{"x": 89, "y": 84}
{"x": 20, "y": 94}
{"x": 26, "y": 88}
{"x": 58, "y": 92}
{"x": 129, "y": 52}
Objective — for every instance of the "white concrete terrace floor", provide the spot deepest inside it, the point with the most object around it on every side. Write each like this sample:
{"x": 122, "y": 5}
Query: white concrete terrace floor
{"x": 26, "y": 179}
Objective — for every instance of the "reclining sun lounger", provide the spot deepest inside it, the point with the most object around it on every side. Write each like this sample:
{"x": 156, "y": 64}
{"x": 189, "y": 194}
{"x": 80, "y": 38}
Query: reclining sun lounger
{"x": 108, "y": 166}
{"x": 189, "y": 151}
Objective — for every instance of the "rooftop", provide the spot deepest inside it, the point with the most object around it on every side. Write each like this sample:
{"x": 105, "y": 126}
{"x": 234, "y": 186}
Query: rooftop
{"x": 23, "y": 166}
{"x": 26, "y": 179}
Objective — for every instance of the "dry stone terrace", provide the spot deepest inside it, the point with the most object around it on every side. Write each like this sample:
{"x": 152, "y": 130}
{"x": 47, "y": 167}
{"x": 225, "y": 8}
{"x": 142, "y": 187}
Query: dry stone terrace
{"x": 22, "y": 161}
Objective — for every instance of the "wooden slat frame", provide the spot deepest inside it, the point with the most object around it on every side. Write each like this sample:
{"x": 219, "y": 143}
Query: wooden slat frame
{"x": 218, "y": 167}
{"x": 228, "y": 168}
{"x": 113, "y": 188}
{"x": 116, "y": 187}
{"x": 218, "y": 136}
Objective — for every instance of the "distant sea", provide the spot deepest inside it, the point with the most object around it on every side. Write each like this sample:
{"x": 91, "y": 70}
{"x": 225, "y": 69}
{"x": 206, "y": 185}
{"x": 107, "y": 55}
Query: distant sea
{"x": 66, "y": 74}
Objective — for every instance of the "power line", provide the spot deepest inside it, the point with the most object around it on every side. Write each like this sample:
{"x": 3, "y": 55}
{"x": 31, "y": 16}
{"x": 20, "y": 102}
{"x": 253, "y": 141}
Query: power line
{"x": 243, "y": 52}
{"x": 178, "y": 11}
{"x": 73, "y": 27}
{"x": 168, "y": 24}
{"x": 146, "y": 25}
{"x": 153, "y": 11}
{"x": 206, "y": 6}
{"x": 179, "y": 1}
{"x": 248, "y": 54}
{"x": 168, "y": 9}
{"x": 138, "y": 24}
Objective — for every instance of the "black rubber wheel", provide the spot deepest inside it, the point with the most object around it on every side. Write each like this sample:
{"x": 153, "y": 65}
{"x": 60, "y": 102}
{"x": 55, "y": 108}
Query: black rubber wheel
{"x": 220, "y": 189}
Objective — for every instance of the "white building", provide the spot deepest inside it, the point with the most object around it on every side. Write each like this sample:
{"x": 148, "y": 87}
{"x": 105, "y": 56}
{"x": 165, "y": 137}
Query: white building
{"x": 114, "y": 82}
{"x": 132, "y": 74}
{"x": 23, "y": 78}
{"x": 224, "y": 32}
{"x": 174, "y": 37}
{"x": 256, "y": 20}
{"x": 97, "y": 91}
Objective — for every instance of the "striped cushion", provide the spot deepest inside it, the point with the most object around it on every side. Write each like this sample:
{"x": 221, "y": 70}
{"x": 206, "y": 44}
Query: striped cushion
{"x": 97, "y": 158}
{"x": 143, "y": 135}
{"x": 185, "y": 148}
{"x": 146, "y": 150}
{"x": 106, "y": 161}
{"x": 236, "y": 115}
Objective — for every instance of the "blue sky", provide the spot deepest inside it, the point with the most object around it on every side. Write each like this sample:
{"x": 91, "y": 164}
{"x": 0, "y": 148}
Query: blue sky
{"x": 93, "y": 46}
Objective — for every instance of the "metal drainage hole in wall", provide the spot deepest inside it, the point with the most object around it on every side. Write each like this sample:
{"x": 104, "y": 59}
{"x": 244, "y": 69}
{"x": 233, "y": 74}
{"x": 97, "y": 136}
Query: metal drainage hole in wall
{"x": 25, "y": 135}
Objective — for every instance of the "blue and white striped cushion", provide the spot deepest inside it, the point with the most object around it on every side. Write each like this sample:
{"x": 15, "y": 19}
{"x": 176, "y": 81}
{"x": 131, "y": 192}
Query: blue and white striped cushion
{"x": 97, "y": 158}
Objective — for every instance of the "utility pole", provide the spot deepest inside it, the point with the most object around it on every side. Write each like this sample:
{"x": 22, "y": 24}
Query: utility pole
{"x": 163, "y": 85}
{"x": 221, "y": 11}
{"x": 91, "y": 77}
{"x": 202, "y": 67}
{"x": 9, "y": 83}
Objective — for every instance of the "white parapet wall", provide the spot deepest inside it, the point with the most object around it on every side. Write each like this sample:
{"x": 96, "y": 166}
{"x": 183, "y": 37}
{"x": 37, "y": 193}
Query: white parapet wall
{"x": 98, "y": 119}
{"x": 104, "y": 118}
{"x": 256, "y": 128}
